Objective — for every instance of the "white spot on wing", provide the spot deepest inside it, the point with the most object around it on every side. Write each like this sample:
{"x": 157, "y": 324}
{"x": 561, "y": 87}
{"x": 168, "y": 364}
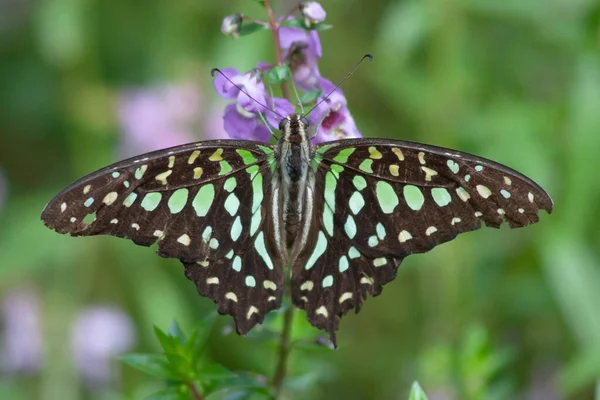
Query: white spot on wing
{"x": 251, "y": 310}
{"x": 184, "y": 240}
{"x": 484, "y": 191}
{"x": 345, "y": 296}
{"x": 431, "y": 230}
{"x": 322, "y": 311}
{"x": 403, "y": 236}
{"x": 231, "y": 296}
{"x": 270, "y": 285}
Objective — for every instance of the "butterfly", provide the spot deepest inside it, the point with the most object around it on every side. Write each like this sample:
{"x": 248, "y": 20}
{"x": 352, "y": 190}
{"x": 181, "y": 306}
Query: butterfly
{"x": 341, "y": 215}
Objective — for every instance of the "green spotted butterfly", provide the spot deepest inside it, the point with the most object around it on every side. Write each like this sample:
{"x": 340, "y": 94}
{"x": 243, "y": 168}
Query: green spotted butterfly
{"x": 343, "y": 215}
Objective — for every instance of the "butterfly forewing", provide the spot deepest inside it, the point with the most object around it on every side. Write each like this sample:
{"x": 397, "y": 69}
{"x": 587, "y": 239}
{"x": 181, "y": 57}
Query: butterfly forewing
{"x": 377, "y": 201}
{"x": 205, "y": 203}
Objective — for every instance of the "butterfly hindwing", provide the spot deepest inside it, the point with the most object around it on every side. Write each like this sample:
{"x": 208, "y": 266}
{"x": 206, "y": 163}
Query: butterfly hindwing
{"x": 377, "y": 201}
{"x": 204, "y": 203}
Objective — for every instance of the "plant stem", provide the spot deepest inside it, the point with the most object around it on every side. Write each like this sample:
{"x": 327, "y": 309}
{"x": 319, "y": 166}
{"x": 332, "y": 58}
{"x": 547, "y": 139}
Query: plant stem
{"x": 284, "y": 351}
{"x": 274, "y": 26}
{"x": 286, "y": 333}
{"x": 195, "y": 393}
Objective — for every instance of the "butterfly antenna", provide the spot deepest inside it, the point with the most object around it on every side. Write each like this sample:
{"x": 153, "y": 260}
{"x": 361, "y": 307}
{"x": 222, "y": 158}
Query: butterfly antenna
{"x": 324, "y": 98}
{"x": 215, "y": 71}
{"x": 298, "y": 97}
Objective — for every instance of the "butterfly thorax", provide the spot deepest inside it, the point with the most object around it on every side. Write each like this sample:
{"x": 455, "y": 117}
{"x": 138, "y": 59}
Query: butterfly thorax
{"x": 294, "y": 152}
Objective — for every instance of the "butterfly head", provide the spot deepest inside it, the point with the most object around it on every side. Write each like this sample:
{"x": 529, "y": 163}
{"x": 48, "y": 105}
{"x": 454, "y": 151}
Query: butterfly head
{"x": 294, "y": 126}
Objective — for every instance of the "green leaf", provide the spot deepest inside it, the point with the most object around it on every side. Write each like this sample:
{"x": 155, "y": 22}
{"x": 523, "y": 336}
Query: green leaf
{"x": 175, "y": 331}
{"x": 153, "y": 364}
{"x": 179, "y": 392}
{"x": 170, "y": 344}
{"x": 310, "y": 96}
{"x": 321, "y": 27}
{"x": 222, "y": 380}
{"x": 279, "y": 74}
{"x": 261, "y": 2}
{"x": 194, "y": 347}
{"x": 248, "y": 28}
{"x": 301, "y": 24}
{"x": 416, "y": 393}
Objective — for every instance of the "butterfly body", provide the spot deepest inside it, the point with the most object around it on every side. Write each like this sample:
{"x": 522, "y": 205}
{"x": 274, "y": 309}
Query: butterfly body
{"x": 294, "y": 152}
{"x": 343, "y": 215}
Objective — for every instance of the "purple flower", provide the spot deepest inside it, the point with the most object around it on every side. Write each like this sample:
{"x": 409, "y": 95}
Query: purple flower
{"x": 303, "y": 50}
{"x": 312, "y": 12}
{"x": 241, "y": 119}
{"x": 158, "y": 117}
{"x": 98, "y": 335}
{"x": 332, "y": 117}
{"x": 21, "y": 349}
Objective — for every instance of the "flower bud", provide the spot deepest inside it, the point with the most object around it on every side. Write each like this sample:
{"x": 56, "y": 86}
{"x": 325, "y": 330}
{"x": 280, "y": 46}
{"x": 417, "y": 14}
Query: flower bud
{"x": 312, "y": 12}
{"x": 231, "y": 25}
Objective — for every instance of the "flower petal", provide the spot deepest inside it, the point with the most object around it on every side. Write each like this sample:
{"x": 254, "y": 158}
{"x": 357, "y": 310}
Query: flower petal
{"x": 261, "y": 133}
{"x": 312, "y": 12}
{"x": 236, "y": 125}
{"x": 283, "y": 107}
{"x": 223, "y": 87}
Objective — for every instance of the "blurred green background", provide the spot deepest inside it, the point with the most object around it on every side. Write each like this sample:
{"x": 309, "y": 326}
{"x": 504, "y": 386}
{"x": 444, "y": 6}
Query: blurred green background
{"x": 492, "y": 315}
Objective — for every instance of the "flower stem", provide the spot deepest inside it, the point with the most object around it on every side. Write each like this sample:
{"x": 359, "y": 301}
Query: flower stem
{"x": 195, "y": 393}
{"x": 284, "y": 351}
{"x": 286, "y": 333}
{"x": 274, "y": 26}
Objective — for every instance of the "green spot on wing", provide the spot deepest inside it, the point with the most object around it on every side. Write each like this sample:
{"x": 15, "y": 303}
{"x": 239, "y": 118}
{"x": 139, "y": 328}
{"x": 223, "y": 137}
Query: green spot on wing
{"x": 359, "y": 182}
{"x": 232, "y": 203}
{"x": 257, "y": 188}
{"x": 328, "y": 220}
{"x": 336, "y": 170}
{"x": 318, "y": 251}
{"x": 247, "y": 157}
{"x": 230, "y": 184}
{"x": 350, "y": 227}
{"x": 236, "y": 229}
{"x": 178, "y": 200}
{"x": 366, "y": 165}
{"x": 343, "y": 264}
{"x": 259, "y": 245}
{"x": 441, "y": 196}
{"x": 386, "y": 196}
{"x": 353, "y": 253}
{"x": 151, "y": 201}
{"x": 413, "y": 196}
{"x": 356, "y": 202}
{"x": 237, "y": 264}
{"x": 225, "y": 167}
{"x": 130, "y": 199}
{"x": 204, "y": 199}
{"x": 266, "y": 150}
{"x": 342, "y": 156}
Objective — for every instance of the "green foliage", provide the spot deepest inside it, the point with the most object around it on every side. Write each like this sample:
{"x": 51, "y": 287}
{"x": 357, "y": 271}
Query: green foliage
{"x": 416, "y": 392}
{"x": 492, "y": 312}
{"x": 300, "y": 23}
{"x": 185, "y": 374}
{"x": 248, "y": 28}
{"x": 279, "y": 74}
